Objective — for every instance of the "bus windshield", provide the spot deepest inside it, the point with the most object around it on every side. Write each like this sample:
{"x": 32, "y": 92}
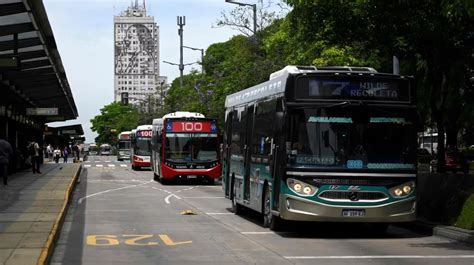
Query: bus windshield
{"x": 184, "y": 147}
{"x": 142, "y": 146}
{"x": 123, "y": 145}
{"x": 351, "y": 138}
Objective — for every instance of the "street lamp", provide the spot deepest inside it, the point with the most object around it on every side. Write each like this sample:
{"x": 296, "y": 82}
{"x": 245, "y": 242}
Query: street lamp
{"x": 180, "y": 66}
{"x": 202, "y": 55}
{"x": 254, "y": 7}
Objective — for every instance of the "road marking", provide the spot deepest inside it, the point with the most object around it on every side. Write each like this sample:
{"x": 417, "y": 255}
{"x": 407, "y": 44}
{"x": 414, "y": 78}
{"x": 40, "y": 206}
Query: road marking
{"x": 123, "y": 165}
{"x": 218, "y": 213}
{"x": 107, "y": 161}
{"x": 258, "y": 233}
{"x": 87, "y": 165}
{"x": 209, "y": 197}
{"x": 167, "y": 199}
{"x": 99, "y": 165}
{"x": 385, "y": 257}
{"x": 111, "y": 165}
{"x": 167, "y": 240}
{"x": 106, "y": 191}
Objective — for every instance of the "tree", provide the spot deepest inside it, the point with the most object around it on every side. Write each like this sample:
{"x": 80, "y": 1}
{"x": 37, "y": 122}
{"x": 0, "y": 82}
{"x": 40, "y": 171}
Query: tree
{"x": 241, "y": 18}
{"x": 113, "y": 119}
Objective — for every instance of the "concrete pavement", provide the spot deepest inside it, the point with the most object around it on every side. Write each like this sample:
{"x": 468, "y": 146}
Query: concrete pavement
{"x": 32, "y": 207}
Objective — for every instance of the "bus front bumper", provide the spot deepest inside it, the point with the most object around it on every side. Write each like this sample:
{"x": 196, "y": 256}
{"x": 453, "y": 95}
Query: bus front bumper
{"x": 300, "y": 209}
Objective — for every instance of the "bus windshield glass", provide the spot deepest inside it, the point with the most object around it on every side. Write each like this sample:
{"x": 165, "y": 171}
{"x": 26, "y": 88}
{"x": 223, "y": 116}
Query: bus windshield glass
{"x": 124, "y": 145}
{"x": 142, "y": 146}
{"x": 351, "y": 138}
{"x": 186, "y": 147}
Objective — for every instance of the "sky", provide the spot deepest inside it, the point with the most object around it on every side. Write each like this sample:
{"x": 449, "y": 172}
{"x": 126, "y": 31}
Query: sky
{"x": 83, "y": 30}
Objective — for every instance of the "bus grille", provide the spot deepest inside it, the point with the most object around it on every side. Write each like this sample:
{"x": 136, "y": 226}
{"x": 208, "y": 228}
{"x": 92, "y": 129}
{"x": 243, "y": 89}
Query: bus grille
{"x": 353, "y": 195}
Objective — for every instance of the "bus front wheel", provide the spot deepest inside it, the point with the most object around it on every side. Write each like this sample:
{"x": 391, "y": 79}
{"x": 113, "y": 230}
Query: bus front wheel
{"x": 270, "y": 220}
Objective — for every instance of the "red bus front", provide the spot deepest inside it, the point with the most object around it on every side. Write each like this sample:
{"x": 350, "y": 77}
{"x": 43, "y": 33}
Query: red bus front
{"x": 190, "y": 149}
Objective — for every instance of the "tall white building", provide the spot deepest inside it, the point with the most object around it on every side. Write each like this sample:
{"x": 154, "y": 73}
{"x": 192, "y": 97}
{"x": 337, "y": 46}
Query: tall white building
{"x": 137, "y": 55}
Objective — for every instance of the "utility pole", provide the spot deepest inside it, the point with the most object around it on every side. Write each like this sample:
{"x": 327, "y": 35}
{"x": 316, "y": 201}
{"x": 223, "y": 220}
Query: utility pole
{"x": 202, "y": 56}
{"x": 181, "y": 22}
{"x": 254, "y": 9}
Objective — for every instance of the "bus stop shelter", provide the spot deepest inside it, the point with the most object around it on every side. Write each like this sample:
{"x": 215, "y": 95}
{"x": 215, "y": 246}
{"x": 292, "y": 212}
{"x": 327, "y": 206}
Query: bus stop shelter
{"x": 33, "y": 82}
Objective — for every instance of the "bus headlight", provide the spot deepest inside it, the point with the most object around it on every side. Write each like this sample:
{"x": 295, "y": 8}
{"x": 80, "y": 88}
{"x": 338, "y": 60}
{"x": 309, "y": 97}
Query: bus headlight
{"x": 402, "y": 190}
{"x": 300, "y": 187}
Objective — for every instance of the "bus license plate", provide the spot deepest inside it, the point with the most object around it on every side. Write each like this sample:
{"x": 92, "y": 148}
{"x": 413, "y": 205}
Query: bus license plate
{"x": 192, "y": 176}
{"x": 353, "y": 212}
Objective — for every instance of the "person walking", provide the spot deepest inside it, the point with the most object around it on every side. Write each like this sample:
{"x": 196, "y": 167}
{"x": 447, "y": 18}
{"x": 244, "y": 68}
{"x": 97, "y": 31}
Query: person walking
{"x": 57, "y": 154}
{"x": 5, "y": 153}
{"x": 65, "y": 154}
{"x": 49, "y": 150}
{"x": 34, "y": 152}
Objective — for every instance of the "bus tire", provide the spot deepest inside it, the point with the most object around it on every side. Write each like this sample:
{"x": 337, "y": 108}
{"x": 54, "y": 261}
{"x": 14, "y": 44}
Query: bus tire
{"x": 270, "y": 220}
{"x": 236, "y": 208}
{"x": 156, "y": 177}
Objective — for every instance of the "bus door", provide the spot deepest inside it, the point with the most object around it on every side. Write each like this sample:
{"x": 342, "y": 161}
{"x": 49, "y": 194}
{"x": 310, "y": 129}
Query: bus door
{"x": 248, "y": 150}
{"x": 226, "y": 158}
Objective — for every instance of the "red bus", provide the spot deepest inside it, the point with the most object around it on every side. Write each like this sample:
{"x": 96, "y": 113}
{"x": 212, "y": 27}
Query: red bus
{"x": 141, "y": 149}
{"x": 185, "y": 145}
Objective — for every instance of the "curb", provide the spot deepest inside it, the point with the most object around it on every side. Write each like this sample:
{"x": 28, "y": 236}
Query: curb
{"x": 48, "y": 249}
{"x": 449, "y": 232}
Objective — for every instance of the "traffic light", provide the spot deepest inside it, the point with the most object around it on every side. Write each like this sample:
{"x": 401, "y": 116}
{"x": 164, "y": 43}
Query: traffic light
{"x": 124, "y": 98}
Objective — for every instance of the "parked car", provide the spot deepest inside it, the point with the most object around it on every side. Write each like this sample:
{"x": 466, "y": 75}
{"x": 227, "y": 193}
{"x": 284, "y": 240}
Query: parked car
{"x": 454, "y": 161}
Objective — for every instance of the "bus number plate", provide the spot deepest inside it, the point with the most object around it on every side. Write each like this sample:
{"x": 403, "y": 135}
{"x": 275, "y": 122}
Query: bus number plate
{"x": 353, "y": 212}
{"x": 192, "y": 176}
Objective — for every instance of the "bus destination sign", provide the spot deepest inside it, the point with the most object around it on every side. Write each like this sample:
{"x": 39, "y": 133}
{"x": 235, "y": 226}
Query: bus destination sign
{"x": 145, "y": 133}
{"x": 358, "y": 88}
{"x": 174, "y": 126}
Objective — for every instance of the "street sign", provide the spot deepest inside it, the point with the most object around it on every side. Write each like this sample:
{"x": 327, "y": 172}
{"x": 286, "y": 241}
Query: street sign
{"x": 42, "y": 111}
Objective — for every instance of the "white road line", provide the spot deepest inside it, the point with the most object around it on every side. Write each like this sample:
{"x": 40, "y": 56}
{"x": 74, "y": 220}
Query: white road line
{"x": 106, "y": 191}
{"x": 204, "y": 197}
{"x": 111, "y": 165}
{"x": 87, "y": 165}
{"x": 123, "y": 165}
{"x": 385, "y": 257}
{"x": 258, "y": 233}
{"x": 167, "y": 199}
{"x": 218, "y": 213}
{"x": 99, "y": 165}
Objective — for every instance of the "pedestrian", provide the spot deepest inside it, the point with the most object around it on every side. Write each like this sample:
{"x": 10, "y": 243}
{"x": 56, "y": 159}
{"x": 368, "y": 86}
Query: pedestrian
{"x": 49, "y": 150}
{"x": 5, "y": 152}
{"x": 65, "y": 154}
{"x": 57, "y": 154}
{"x": 34, "y": 152}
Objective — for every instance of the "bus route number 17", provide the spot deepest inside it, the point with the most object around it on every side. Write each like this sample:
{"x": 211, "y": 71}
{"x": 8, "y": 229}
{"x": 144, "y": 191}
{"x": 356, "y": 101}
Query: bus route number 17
{"x": 190, "y": 126}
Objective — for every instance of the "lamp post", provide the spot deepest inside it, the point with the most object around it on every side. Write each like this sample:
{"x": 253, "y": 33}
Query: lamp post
{"x": 181, "y": 21}
{"x": 181, "y": 65}
{"x": 202, "y": 55}
{"x": 254, "y": 7}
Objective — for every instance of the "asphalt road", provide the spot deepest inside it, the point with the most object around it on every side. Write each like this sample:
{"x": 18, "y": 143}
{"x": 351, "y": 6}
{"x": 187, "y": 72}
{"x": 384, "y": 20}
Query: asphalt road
{"x": 121, "y": 216}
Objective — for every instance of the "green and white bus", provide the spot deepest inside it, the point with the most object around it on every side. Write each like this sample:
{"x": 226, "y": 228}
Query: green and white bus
{"x": 333, "y": 144}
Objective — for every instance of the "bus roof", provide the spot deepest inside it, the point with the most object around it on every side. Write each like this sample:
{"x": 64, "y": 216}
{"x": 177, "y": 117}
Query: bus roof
{"x": 276, "y": 84}
{"x": 143, "y": 127}
{"x": 183, "y": 114}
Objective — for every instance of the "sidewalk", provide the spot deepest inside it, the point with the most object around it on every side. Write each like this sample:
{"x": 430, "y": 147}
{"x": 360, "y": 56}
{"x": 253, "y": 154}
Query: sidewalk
{"x": 32, "y": 207}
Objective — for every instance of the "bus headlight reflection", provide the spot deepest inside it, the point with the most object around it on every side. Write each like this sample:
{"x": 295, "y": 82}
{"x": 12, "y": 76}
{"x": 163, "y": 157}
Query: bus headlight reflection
{"x": 402, "y": 190}
{"x": 300, "y": 187}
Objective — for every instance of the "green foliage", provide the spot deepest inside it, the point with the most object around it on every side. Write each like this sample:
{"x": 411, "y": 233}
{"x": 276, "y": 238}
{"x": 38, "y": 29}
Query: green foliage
{"x": 113, "y": 119}
{"x": 466, "y": 217}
